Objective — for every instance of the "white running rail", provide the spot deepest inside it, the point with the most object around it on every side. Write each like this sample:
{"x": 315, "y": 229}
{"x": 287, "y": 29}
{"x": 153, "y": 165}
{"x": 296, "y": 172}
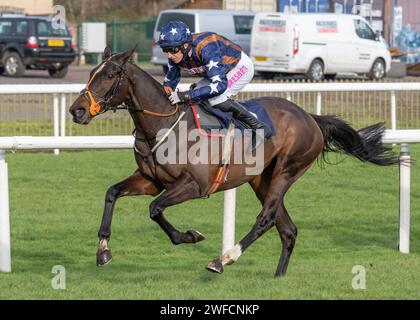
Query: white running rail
{"x": 60, "y": 113}
{"x": 402, "y": 137}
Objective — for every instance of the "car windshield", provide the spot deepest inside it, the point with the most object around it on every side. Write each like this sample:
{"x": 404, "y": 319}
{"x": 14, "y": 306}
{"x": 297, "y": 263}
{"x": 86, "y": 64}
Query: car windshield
{"x": 45, "y": 28}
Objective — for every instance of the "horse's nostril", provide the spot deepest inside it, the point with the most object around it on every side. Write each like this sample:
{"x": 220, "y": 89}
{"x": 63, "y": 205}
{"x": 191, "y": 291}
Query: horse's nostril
{"x": 79, "y": 112}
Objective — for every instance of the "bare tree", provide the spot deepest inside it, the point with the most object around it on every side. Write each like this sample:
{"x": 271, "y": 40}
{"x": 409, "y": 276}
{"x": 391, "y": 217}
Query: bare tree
{"x": 87, "y": 9}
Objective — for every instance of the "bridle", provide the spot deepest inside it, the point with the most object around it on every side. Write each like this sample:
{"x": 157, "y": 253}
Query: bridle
{"x": 96, "y": 108}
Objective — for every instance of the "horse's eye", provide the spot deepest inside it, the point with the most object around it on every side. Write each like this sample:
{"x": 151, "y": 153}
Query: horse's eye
{"x": 110, "y": 76}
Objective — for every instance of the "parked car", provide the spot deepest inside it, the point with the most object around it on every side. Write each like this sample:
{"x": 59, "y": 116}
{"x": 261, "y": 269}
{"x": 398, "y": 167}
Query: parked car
{"x": 31, "y": 42}
{"x": 317, "y": 45}
{"x": 234, "y": 25}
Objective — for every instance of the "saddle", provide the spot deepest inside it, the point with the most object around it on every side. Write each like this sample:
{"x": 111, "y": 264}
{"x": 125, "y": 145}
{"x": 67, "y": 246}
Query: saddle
{"x": 210, "y": 120}
{"x": 206, "y": 122}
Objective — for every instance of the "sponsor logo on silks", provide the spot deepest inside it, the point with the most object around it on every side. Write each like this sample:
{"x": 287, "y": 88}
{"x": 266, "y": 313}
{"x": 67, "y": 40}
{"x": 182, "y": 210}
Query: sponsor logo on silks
{"x": 243, "y": 70}
{"x": 327, "y": 26}
{"x": 267, "y": 25}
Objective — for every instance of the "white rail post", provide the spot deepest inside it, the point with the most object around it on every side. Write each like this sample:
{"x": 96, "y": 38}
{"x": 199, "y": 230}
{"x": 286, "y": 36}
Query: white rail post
{"x": 229, "y": 220}
{"x": 63, "y": 116}
{"x": 318, "y": 103}
{"x": 56, "y": 120}
{"x": 5, "y": 252}
{"x": 393, "y": 111}
{"x": 404, "y": 241}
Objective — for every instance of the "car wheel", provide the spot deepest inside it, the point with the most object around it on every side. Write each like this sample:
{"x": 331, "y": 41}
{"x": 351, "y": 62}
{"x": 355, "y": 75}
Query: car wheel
{"x": 316, "y": 70}
{"x": 13, "y": 65}
{"x": 267, "y": 75}
{"x": 58, "y": 73}
{"x": 378, "y": 70}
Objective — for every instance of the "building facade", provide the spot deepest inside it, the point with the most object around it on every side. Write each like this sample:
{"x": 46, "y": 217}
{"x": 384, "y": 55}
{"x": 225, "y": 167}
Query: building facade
{"x": 27, "y": 6}
{"x": 201, "y": 4}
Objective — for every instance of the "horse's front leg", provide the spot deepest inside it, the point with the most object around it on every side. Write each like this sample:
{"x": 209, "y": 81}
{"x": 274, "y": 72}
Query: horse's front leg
{"x": 184, "y": 189}
{"x": 132, "y": 186}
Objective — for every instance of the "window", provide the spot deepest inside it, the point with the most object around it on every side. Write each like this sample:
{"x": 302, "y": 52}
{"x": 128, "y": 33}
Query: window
{"x": 363, "y": 30}
{"x": 22, "y": 28}
{"x": 188, "y": 19}
{"x": 45, "y": 28}
{"x": 5, "y": 28}
{"x": 243, "y": 24}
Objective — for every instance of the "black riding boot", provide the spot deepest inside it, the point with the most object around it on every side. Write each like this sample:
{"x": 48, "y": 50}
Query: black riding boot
{"x": 243, "y": 115}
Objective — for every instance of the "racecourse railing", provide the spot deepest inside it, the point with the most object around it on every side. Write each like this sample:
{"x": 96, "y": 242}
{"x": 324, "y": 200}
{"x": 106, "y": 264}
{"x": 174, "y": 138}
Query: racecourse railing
{"x": 42, "y": 110}
{"x": 34, "y": 143}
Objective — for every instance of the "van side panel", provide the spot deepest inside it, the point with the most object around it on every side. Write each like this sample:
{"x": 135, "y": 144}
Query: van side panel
{"x": 340, "y": 46}
{"x": 276, "y": 46}
{"x": 368, "y": 50}
{"x": 271, "y": 42}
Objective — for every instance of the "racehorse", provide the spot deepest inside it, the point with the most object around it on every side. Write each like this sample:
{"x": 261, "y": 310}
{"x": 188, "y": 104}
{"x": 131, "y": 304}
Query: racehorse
{"x": 300, "y": 137}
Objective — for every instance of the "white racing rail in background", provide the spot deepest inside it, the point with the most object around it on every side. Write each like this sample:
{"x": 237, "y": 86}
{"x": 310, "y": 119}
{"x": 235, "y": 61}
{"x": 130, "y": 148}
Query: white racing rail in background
{"x": 60, "y": 108}
{"x": 402, "y": 137}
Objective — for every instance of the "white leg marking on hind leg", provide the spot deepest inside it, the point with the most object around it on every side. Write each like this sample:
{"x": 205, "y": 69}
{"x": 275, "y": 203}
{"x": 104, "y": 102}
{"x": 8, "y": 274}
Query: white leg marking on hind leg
{"x": 231, "y": 255}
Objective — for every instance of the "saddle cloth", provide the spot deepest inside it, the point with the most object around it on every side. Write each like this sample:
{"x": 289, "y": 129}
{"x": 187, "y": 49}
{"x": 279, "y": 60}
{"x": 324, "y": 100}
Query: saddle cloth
{"x": 210, "y": 119}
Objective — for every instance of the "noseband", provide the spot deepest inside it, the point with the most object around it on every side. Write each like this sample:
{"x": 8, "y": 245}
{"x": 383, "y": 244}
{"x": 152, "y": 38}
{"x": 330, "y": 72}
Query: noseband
{"x": 103, "y": 105}
{"x": 95, "y": 107}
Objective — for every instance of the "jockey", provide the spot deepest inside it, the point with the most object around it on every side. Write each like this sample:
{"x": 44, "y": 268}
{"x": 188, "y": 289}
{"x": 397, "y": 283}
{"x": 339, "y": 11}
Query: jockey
{"x": 226, "y": 70}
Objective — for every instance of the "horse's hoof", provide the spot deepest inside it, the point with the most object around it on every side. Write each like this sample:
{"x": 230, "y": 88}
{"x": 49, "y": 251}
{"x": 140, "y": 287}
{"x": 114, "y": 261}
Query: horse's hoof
{"x": 215, "y": 266}
{"x": 196, "y": 235}
{"x": 103, "y": 258}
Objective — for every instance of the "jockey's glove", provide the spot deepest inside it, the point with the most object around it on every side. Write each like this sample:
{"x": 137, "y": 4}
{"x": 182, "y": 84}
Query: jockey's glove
{"x": 178, "y": 96}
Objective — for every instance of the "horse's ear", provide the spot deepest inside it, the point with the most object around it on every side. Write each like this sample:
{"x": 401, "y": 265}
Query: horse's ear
{"x": 125, "y": 56}
{"x": 107, "y": 52}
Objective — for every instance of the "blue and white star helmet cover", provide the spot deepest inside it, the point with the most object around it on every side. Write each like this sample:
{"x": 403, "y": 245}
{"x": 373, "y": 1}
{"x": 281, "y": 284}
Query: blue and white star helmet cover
{"x": 174, "y": 34}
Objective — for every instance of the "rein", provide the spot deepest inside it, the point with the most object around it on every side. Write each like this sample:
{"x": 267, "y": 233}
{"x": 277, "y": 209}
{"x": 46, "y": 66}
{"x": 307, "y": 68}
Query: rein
{"x": 101, "y": 106}
{"x": 96, "y": 107}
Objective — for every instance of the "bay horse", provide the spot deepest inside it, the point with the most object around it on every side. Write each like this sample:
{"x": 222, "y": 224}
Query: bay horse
{"x": 300, "y": 137}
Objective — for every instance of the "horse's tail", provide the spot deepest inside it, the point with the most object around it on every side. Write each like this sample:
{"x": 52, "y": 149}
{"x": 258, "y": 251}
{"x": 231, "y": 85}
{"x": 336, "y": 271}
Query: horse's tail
{"x": 364, "y": 144}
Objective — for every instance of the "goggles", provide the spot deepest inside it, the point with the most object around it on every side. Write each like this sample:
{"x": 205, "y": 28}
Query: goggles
{"x": 172, "y": 50}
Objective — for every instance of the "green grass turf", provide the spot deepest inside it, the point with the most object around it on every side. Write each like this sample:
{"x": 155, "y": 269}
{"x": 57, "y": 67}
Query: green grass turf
{"x": 346, "y": 214}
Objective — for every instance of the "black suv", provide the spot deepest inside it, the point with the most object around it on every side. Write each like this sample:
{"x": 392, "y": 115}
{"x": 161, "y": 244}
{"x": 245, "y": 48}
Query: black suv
{"x": 31, "y": 42}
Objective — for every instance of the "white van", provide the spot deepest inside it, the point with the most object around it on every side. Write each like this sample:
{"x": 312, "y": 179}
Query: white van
{"x": 234, "y": 25}
{"x": 317, "y": 45}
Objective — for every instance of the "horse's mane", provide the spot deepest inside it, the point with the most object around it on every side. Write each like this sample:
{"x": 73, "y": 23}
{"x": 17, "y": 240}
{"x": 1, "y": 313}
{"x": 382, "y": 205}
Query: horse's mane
{"x": 150, "y": 80}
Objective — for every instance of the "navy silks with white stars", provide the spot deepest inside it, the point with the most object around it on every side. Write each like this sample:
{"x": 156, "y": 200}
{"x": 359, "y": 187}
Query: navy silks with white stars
{"x": 212, "y": 56}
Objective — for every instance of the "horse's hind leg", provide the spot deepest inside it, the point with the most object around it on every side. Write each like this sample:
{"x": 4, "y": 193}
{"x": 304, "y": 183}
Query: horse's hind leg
{"x": 285, "y": 226}
{"x": 288, "y": 234}
{"x": 265, "y": 220}
{"x": 184, "y": 189}
{"x": 134, "y": 185}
